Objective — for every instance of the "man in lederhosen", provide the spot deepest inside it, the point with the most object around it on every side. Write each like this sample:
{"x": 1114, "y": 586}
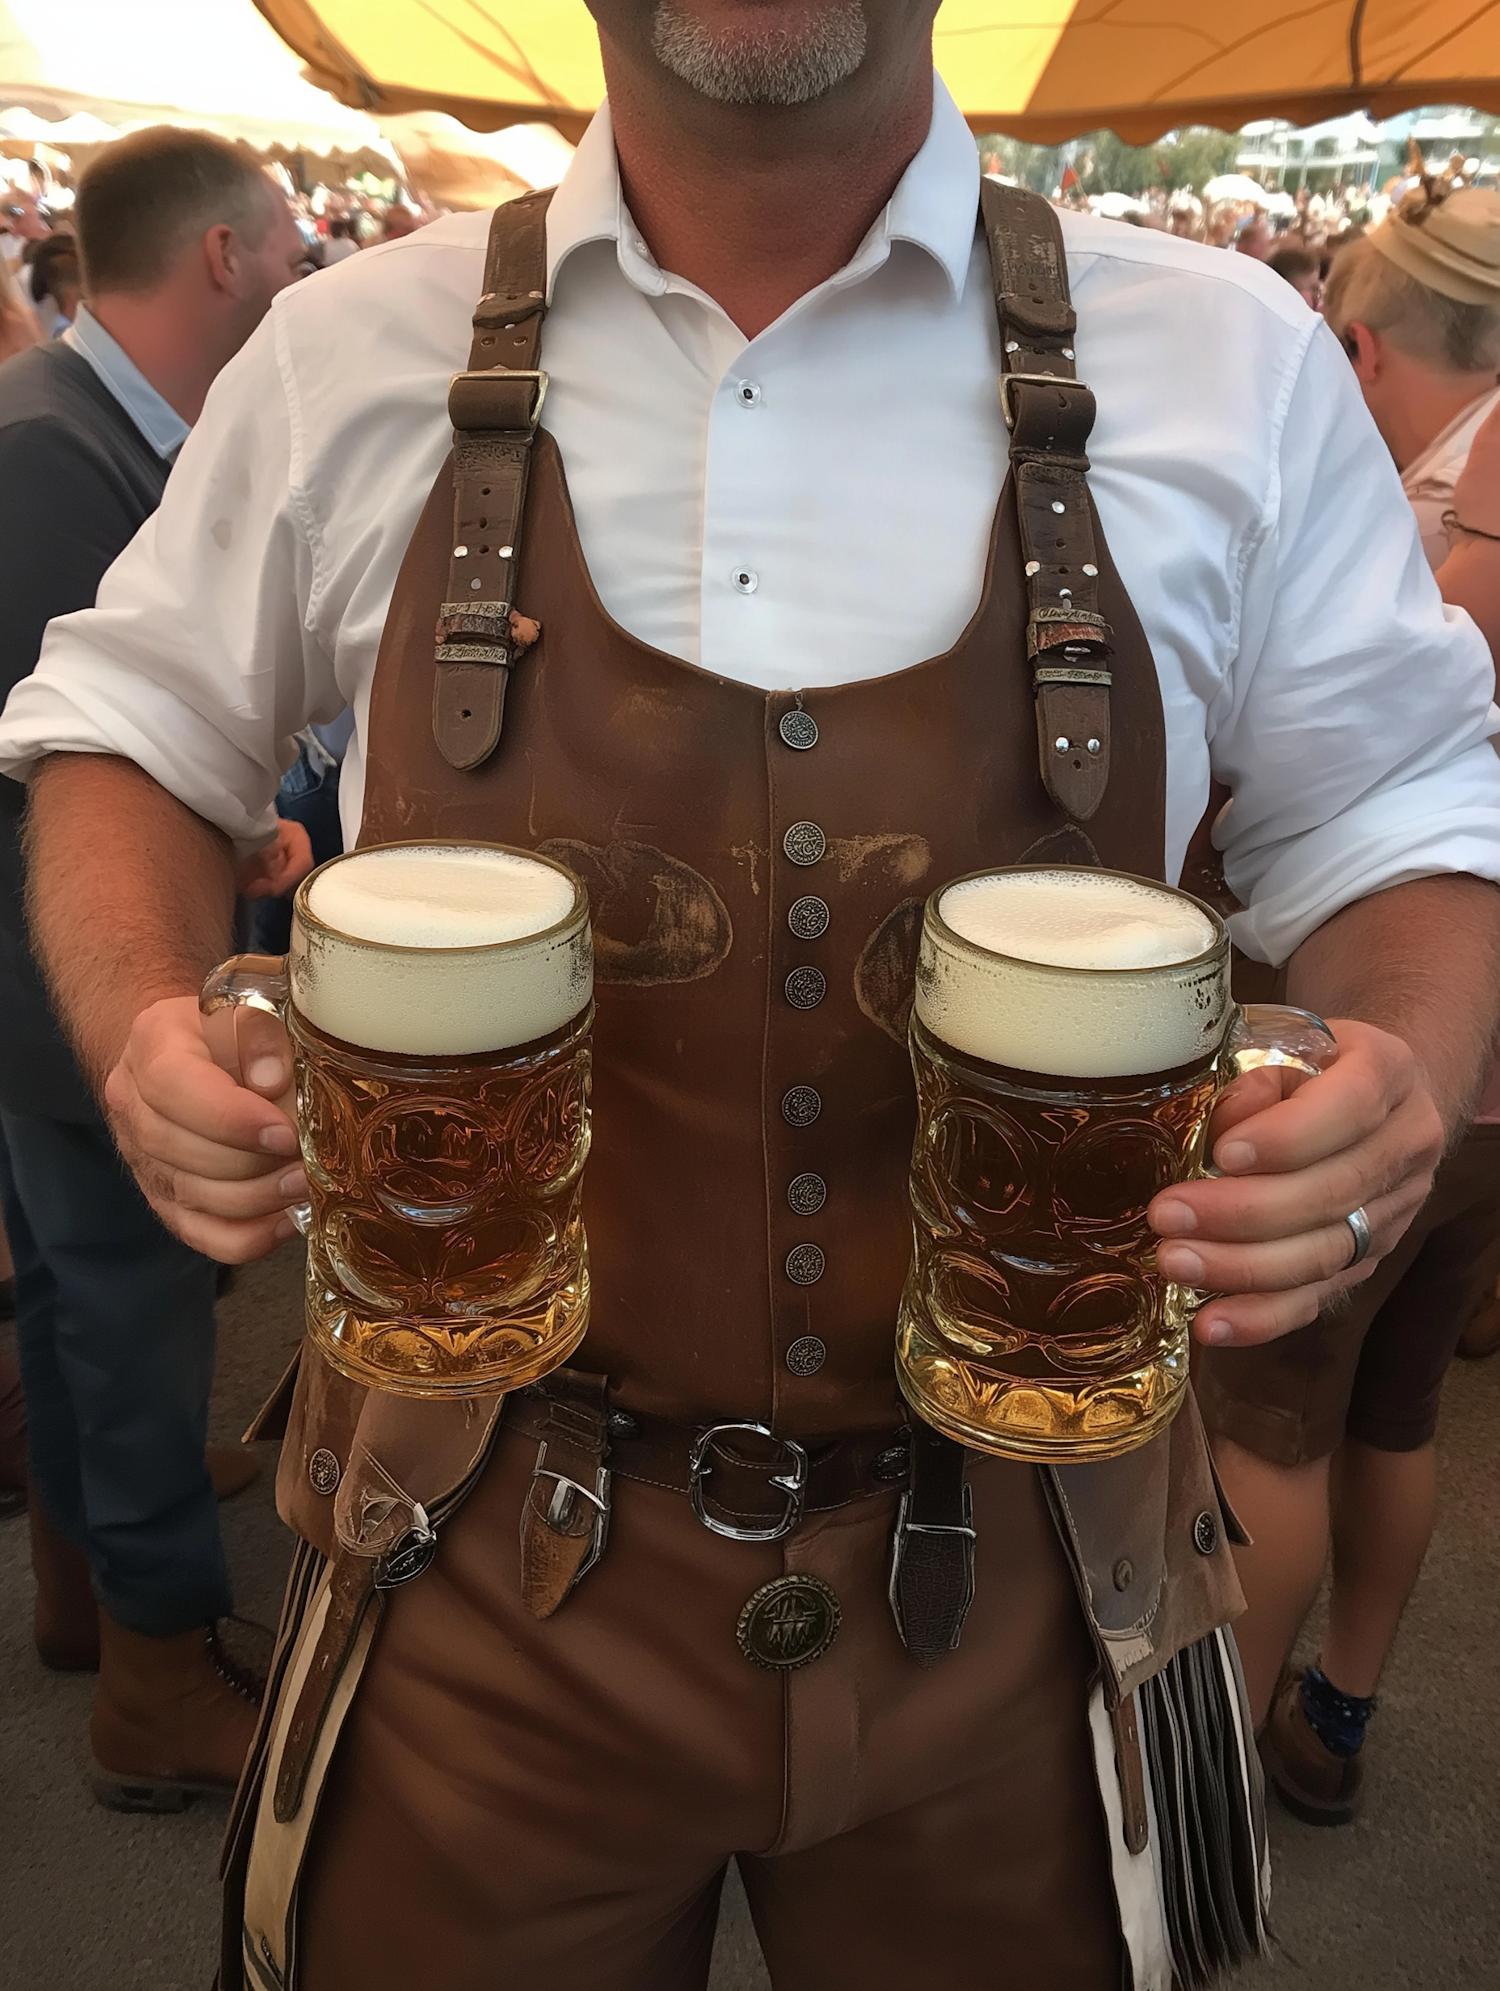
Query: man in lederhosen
{"x": 790, "y": 675}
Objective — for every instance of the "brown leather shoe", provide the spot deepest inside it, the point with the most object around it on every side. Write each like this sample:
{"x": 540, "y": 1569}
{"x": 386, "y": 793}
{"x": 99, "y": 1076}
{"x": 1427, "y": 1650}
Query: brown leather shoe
{"x": 1481, "y": 1336}
{"x": 231, "y": 1468}
{"x": 66, "y": 1618}
{"x": 1314, "y": 1784}
{"x": 173, "y": 1720}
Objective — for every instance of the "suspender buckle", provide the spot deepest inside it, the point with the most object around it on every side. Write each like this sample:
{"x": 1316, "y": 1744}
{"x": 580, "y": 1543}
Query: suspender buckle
{"x": 790, "y": 1482}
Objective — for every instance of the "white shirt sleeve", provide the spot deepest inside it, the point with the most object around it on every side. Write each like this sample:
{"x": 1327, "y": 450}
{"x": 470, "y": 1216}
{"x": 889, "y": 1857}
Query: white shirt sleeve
{"x": 1354, "y": 726}
{"x": 198, "y": 661}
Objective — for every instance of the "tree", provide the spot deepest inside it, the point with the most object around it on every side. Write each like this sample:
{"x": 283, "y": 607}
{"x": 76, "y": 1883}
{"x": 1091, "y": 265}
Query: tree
{"x": 1106, "y": 164}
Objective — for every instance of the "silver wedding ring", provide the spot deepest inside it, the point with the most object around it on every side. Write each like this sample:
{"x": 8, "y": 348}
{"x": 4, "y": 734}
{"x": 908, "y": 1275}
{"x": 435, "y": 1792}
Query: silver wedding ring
{"x": 1359, "y": 1230}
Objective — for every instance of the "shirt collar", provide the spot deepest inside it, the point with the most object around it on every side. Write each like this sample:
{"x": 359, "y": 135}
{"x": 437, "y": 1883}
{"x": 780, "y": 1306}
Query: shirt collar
{"x": 934, "y": 206}
{"x": 157, "y": 420}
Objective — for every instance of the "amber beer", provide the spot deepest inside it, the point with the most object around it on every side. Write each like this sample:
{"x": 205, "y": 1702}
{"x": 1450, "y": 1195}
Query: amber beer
{"x": 439, "y": 1002}
{"x": 1071, "y": 1032}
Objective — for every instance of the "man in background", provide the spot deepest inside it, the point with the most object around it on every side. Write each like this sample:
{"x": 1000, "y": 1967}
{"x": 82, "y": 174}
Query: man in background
{"x": 183, "y": 243}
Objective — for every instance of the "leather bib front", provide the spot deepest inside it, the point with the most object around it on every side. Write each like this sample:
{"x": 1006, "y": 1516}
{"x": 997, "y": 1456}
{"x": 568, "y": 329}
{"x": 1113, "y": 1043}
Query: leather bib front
{"x": 757, "y": 864}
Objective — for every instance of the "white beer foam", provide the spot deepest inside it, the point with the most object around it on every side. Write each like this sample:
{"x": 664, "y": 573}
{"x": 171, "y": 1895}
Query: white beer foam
{"x": 439, "y": 950}
{"x": 1079, "y": 973}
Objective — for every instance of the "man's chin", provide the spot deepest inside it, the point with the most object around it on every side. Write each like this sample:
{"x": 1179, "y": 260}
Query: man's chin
{"x": 740, "y": 52}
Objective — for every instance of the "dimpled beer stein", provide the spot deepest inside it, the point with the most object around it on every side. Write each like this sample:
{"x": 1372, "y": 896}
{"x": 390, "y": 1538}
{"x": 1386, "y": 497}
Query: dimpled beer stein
{"x": 439, "y": 998}
{"x": 1071, "y": 1033}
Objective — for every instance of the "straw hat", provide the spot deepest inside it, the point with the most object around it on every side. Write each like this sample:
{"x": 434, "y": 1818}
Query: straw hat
{"x": 1448, "y": 239}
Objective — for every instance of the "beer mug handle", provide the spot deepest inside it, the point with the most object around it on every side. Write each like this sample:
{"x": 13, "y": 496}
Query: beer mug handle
{"x": 245, "y": 981}
{"x": 1273, "y": 1033}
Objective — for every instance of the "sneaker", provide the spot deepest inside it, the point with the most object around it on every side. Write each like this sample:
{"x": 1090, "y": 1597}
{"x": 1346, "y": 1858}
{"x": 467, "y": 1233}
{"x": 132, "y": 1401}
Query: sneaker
{"x": 1314, "y": 1784}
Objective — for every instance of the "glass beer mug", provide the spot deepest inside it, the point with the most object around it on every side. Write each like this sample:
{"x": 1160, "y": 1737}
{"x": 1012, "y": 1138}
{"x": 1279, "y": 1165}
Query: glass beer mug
{"x": 439, "y": 999}
{"x": 1071, "y": 1034}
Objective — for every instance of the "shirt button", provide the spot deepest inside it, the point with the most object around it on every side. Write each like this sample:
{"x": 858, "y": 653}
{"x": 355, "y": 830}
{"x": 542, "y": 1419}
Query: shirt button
{"x": 800, "y": 1106}
{"x": 799, "y": 730}
{"x": 746, "y": 580}
{"x": 808, "y": 918}
{"x": 748, "y": 394}
{"x": 804, "y": 1264}
{"x": 807, "y": 1194}
{"x": 805, "y": 988}
{"x": 804, "y": 843}
{"x": 806, "y": 1355}
{"x": 1205, "y": 1533}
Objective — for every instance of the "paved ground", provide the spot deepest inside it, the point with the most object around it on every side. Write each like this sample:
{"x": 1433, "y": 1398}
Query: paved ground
{"x": 1407, "y": 1900}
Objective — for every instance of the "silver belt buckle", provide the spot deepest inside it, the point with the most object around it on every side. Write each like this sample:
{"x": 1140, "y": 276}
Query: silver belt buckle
{"x": 792, "y": 1483}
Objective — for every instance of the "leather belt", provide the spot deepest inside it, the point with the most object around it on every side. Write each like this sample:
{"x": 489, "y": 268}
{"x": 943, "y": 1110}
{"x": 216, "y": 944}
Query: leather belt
{"x": 743, "y": 1480}
{"x": 747, "y": 1483}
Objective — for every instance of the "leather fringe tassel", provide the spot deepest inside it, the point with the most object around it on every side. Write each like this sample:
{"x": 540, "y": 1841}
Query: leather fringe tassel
{"x": 1208, "y": 1811}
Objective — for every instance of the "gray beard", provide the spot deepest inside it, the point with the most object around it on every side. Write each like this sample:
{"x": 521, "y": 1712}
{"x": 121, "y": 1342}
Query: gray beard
{"x": 790, "y": 62}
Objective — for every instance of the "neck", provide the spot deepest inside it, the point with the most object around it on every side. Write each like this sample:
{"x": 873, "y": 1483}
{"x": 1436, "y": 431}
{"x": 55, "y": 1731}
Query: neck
{"x": 1428, "y": 403}
{"x": 171, "y": 345}
{"x": 757, "y": 207}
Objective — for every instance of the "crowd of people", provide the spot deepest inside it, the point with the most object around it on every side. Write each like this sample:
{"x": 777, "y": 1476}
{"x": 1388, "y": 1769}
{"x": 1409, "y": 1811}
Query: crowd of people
{"x": 113, "y": 329}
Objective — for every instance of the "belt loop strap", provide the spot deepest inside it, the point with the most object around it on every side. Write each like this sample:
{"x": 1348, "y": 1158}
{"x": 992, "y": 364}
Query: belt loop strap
{"x": 1050, "y": 415}
{"x": 565, "y": 1520}
{"x": 932, "y": 1550}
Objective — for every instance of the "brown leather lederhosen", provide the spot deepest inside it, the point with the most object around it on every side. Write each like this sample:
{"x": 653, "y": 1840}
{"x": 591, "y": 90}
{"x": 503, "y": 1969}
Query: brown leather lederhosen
{"x": 756, "y": 864}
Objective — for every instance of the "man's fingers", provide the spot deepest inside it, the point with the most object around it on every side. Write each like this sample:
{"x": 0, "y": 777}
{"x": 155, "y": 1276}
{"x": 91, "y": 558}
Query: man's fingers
{"x": 1251, "y": 1318}
{"x": 1284, "y": 1264}
{"x": 180, "y": 1148}
{"x": 225, "y": 1241}
{"x": 1348, "y": 1103}
{"x": 258, "y": 1196}
{"x": 193, "y": 1093}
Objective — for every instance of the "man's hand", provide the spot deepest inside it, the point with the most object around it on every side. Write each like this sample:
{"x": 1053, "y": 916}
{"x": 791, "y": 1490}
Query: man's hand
{"x": 280, "y": 867}
{"x": 1270, "y": 1234}
{"x": 213, "y": 1150}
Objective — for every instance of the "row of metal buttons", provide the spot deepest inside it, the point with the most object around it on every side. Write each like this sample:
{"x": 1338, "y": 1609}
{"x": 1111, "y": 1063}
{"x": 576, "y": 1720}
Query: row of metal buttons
{"x": 805, "y": 987}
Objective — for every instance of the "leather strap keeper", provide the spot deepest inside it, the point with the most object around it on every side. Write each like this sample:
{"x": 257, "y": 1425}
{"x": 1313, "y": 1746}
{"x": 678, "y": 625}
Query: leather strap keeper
{"x": 565, "y": 1521}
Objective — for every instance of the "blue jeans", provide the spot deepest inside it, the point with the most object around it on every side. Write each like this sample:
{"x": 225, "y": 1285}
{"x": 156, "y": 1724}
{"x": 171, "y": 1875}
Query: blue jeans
{"x": 115, "y": 1332}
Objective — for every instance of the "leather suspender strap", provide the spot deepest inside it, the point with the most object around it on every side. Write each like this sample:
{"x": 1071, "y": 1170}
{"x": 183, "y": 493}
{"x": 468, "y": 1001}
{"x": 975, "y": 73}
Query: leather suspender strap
{"x": 1050, "y": 414}
{"x": 494, "y": 407}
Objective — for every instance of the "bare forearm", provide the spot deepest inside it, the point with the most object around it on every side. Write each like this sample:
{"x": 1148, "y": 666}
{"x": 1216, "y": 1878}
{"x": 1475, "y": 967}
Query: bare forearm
{"x": 1470, "y": 578}
{"x": 131, "y": 897}
{"x": 1423, "y": 961}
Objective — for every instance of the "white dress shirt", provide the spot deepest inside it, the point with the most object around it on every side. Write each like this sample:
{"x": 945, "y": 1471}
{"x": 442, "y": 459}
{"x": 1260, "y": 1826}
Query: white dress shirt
{"x": 848, "y": 461}
{"x": 1429, "y": 481}
{"x": 156, "y": 418}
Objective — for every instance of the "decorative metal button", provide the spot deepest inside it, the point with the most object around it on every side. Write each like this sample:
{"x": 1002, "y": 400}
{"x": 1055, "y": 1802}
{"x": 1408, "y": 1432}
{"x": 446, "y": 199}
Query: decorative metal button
{"x": 800, "y": 1106}
{"x": 1124, "y": 1573}
{"x": 807, "y": 1194}
{"x": 804, "y": 843}
{"x": 325, "y": 1472}
{"x": 799, "y": 730}
{"x": 747, "y": 393}
{"x": 891, "y": 1464}
{"x": 623, "y": 1425}
{"x": 805, "y": 988}
{"x": 806, "y": 1356}
{"x": 745, "y": 579}
{"x": 1205, "y": 1533}
{"x": 788, "y": 1622}
{"x": 804, "y": 1264}
{"x": 808, "y": 918}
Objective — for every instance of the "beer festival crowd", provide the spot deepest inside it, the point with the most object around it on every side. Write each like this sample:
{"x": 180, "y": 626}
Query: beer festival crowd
{"x": 875, "y": 999}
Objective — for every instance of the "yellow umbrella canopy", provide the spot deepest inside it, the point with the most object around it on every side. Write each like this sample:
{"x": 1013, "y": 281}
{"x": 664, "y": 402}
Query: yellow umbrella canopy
{"x": 1038, "y": 69}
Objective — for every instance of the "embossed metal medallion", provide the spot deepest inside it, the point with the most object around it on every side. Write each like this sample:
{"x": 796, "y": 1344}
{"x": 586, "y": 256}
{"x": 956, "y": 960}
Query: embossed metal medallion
{"x": 807, "y": 1194}
{"x": 806, "y": 1355}
{"x": 789, "y": 1622}
{"x": 799, "y": 730}
{"x": 800, "y": 1106}
{"x": 804, "y": 843}
{"x": 804, "y": 1264}
{"x": 324, "y": 1471}
{"x": 808, "y": 918}
{"x": 805, "y": 988}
